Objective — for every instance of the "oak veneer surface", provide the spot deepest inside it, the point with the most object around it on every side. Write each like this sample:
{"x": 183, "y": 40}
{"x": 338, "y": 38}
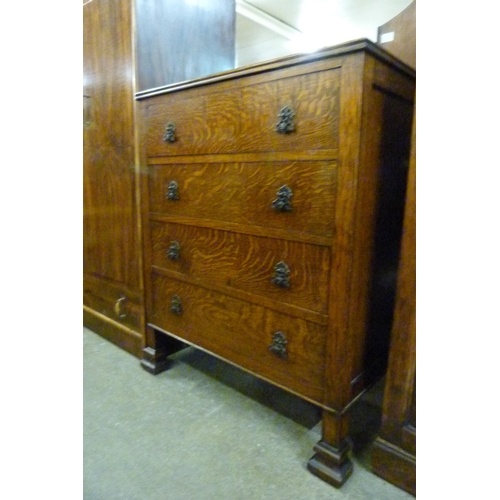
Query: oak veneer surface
{"x": 112, "y": 62}
{"x": 243, "y": 119}
{"x": 245, "y": 262}
{"x": 241, "y": 188}
{"x": 243, "y": 193}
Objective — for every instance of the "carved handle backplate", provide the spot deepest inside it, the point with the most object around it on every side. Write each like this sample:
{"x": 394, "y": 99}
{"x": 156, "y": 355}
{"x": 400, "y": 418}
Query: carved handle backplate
{"x": 120, "y": 307}
{"x": 286, "y": 121}
{"x": 169, "y": 135}
{"x": 176, "y": 305}
{"x": 281, "y": 275}
{"x": 278, "y": 345}
{"x": 174, "y": 251}
{"x": 173, "y": 191}
{"x": 283, "y": 202}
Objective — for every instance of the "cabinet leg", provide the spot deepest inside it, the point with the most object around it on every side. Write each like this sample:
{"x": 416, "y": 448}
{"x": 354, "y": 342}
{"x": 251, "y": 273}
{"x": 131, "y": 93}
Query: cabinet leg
{"x": 158, "y": 347}
{"x": 331, "y": 461}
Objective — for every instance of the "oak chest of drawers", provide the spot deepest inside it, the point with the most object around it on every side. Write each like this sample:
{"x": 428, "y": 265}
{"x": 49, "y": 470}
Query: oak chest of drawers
{"x": 272, "y": 202}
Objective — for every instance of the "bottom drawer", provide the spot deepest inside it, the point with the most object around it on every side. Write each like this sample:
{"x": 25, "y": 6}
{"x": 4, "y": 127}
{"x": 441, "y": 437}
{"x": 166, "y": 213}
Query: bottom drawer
{"x": 245, "y": 334}
{"x": 113, "y": 301}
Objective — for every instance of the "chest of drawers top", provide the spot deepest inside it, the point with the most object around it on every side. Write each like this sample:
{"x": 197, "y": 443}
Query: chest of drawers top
{"x": 291, "y": 105}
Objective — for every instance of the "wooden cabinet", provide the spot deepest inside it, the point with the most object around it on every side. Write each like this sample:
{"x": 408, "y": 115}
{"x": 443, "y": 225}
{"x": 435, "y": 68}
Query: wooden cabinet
{"x": 394, "y": 451}
{"x": 273, "y": 201}
{"x": 113, "y": 287}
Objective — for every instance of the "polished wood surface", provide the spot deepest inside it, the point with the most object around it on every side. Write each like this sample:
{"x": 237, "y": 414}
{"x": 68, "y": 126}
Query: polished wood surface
{"x": 404, "y": 45}
{"x": 243, "y": 333}
{"x": 179, "y": 40}
{"x": 112, "y": 256}
{"x": 245, "y": 262}
{"x": 243, "y": 193}
{"x": 394, "y": 451}
{"x": 244, "y": 118}
{"x": 110, "y": 216}
{"x": 111, "y": 253}
{"x": 345, "y": 224}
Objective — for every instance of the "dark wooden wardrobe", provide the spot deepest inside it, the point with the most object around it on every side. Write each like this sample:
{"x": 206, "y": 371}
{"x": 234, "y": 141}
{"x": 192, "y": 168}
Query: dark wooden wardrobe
{"x": 132, "y": 45}
{"x": 394, "y": 451}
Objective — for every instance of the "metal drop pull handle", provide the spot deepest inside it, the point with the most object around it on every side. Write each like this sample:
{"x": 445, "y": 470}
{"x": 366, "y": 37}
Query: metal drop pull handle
{"x": 286, "y": 123}
{"x": 278, "y": 345}
{"x": 174, "y": 250}
{"x": 176, "y": 305}
{"x": 120, "y": 306}
{"x": 281, "y": 275}
{"x": 169, "y": 135}
{"x": 173, "y": 191}
{"x": 283, "y": 202}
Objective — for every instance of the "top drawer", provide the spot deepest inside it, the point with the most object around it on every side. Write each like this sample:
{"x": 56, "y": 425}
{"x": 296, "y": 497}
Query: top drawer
{"x": 213, "y": 120}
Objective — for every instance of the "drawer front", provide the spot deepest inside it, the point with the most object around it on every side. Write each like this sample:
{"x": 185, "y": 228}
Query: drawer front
{"x": 245, "y": 119}
{"x": 113, "y": 301}
{"x": 245, "y": 334}
{"x": 285, "y": 271}
{"x": 247, "y": 193}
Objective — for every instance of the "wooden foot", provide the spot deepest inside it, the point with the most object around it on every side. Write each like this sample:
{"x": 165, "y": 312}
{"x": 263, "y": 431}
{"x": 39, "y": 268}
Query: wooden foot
{"x": 160, "y": 347}
{"x": 331, "y": 464}
{"x": 331, "y": 461}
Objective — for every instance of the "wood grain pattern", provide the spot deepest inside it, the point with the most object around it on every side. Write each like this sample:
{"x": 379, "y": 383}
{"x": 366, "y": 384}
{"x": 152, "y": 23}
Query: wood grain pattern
{"x": 243, "y": 333}
{"x": 179, "y": 40}
{"x": 384, "y": 163}
{"x": 228, "y": 177}
{"x": 110, "y": 216}
{"x": 244, "y": 192}
{"x": 112, "y": 300}
{"x": 111, "y": 232}
{"x": 245, "y": 262}
{"x": 244, "y": 119}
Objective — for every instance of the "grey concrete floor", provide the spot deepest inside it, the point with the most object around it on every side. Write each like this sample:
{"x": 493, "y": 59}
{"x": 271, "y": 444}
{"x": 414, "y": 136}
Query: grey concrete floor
{"x": 205, "y": 430}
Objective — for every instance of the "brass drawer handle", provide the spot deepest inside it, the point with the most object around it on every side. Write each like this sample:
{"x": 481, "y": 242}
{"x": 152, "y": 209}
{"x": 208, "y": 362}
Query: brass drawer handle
{"x": 278, "y": 345}
{"x": 169, "y": 135}
{"x": 286, "y": 123}
{"x": 174, "y": 249}
{"x": 120, "y": 307}
{"x": 281, "y": 275}
{"x": 283, "y": 202}
{"x": 173, "y": 191}
{"x": 176, "y": 305}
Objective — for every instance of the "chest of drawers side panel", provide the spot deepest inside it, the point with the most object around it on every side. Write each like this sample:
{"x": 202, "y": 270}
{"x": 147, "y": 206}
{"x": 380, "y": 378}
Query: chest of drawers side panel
{"x": 338, "y": 366}
{"x": 151, "y": 338}
{"x": 385, "y": 151}
{"x": 359, "y": 307}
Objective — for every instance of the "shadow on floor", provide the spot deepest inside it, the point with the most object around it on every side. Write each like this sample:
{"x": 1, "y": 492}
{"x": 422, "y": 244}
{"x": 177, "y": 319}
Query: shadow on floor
{"x": 365, "y": 413}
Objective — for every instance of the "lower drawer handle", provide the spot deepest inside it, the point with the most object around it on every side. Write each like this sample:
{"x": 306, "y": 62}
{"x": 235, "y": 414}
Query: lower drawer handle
{"x": 281, "y": 275}
{"x": 278, "y": 345}
{"x": 283, "y": 202}
{"x": 174, "y": 250}
{"x": 176, "y": 305}
{"x": 120, "y": 307}
{"x": 173, "y": 191}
